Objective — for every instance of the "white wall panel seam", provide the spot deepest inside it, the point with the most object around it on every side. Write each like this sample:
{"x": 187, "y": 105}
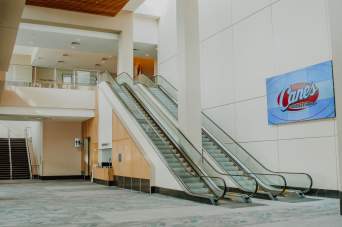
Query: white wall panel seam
{"x": 239, "y": 21}
{"x": 285, "y": 139}
{"x": 235, "y": 102}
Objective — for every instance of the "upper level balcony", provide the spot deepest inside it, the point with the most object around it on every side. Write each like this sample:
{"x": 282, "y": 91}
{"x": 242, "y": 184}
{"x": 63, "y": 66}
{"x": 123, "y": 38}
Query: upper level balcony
{"x": 30, "y": 91}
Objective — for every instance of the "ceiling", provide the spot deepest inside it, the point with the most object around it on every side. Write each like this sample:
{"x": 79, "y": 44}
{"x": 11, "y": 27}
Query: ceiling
{"x": 100, "y": 7}
{"x": 51, "y": 46}
{"x": 53, "y": 58}
{"x": 53, "y": 37}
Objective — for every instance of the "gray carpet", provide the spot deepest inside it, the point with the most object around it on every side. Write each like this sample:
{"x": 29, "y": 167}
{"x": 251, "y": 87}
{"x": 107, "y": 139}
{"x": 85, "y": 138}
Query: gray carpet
{"x": 68, "y": 203}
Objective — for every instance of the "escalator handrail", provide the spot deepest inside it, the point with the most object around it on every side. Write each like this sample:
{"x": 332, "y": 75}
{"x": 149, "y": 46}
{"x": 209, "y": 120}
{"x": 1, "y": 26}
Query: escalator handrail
{"x": 248, "y": 172}
{"x": 273, "y": 172}
{"x": 214, "y": 168}
{"x": 188, "y": 190}
{"x": 252, "y": 175}
{"x": 171, "y": 85}
{"x": 281, "y": 177}
{"x": 251, "y": 156}
{"x": 231, "y": 175}
{"x": 246, "y": 169}
{"x": 179, "y": 147}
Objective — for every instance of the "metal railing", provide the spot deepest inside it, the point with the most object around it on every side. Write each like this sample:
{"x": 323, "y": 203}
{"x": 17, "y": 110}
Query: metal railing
{"x": 302, "y": 181}
{"x": 28, "y": 139}
{"x": 115, "y": 87}
{"x": 56, "y": 81}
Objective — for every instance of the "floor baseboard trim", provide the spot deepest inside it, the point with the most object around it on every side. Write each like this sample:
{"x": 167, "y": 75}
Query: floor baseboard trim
{"x": 327, "y": 193}
{"x": 104, "y": 182}
{"x": 66, "y": 177}
{"x": 341, "y": 202}
{"x": 132, "y": 183}
{"x": 178, "y": 194}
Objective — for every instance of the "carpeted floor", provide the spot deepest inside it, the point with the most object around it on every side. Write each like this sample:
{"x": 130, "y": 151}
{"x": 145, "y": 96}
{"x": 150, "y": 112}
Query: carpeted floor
{"x": 78, "y": 203}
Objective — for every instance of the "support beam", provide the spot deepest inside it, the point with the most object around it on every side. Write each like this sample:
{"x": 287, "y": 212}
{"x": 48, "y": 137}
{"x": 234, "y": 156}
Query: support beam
{"x": 189, "y": 95}
{"x": 125, "y": 52}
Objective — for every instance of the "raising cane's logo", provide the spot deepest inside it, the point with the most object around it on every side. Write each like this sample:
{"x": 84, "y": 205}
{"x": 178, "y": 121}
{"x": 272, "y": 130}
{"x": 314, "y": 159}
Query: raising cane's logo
{"x": 298, "y": 97}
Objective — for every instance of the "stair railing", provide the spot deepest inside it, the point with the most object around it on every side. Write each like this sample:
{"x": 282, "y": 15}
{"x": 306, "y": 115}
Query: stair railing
{"x": 27, "y": 139}
{"x": 10, "y": 152}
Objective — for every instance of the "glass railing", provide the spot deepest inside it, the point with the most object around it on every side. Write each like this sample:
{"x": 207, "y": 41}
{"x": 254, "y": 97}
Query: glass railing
{"x": 161, "y": 82}
{"x": 164, "y": 84}
{"x": 301, "y": 181}
{"x": 276, "y": 182}
{"x": 218, "y": 186}
{"x": 194, "y": 154}
{"x": 40, "y": 77}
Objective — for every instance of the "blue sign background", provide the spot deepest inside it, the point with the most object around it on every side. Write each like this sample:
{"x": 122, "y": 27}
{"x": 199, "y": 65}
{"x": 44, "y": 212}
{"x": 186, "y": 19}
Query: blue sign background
{"x": 321, "y": 75}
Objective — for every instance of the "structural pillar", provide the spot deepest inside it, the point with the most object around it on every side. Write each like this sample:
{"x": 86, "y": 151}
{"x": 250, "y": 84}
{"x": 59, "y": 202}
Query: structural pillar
{"x": 189, "y": 90}
{"x": 125, "y": 50}
{"x": 335, "y": 7}
{"x": 2, "y": 75}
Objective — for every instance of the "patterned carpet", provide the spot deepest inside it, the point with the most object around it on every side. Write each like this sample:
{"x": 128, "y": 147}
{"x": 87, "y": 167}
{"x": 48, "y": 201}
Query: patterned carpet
{"x": 78, "y": 203}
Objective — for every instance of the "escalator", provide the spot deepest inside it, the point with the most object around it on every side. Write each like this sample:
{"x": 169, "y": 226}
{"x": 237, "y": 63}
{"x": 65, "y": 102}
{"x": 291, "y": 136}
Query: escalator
{"x": 194, "y": 180}
{"x": 229, "y": 155}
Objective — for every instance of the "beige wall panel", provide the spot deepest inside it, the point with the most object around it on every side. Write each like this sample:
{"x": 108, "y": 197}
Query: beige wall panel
{"x": 119, "y": 131}
{"x": 105, "y": 174}
{"x": 60, "y": 156}
{"x": 133, "y": 163}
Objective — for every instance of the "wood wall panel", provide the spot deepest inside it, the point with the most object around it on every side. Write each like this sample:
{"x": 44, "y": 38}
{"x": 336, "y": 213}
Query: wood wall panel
{"x": 100, "y": 7}
{"x": 133, "y": 163}
{"x": 105, "y": 174}
{"x": 90, "y": 130}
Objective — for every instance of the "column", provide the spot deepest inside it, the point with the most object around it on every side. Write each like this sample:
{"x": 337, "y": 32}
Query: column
{"x": 125, "y": 50}
{"x": 189, "y": 91}
{"x": 2, "y": 75}
{"x": 335, "y": 7}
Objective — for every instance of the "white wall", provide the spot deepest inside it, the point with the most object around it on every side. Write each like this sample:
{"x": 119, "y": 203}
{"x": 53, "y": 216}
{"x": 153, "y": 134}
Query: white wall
{"x": 334, "y": 7}
{"x": 243, "y": 42}
{"x": 105, "y": 123}
{"x": 20, "y": 68}
{"x": 168, "y": 46}
{"x": 145, "y": 29}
